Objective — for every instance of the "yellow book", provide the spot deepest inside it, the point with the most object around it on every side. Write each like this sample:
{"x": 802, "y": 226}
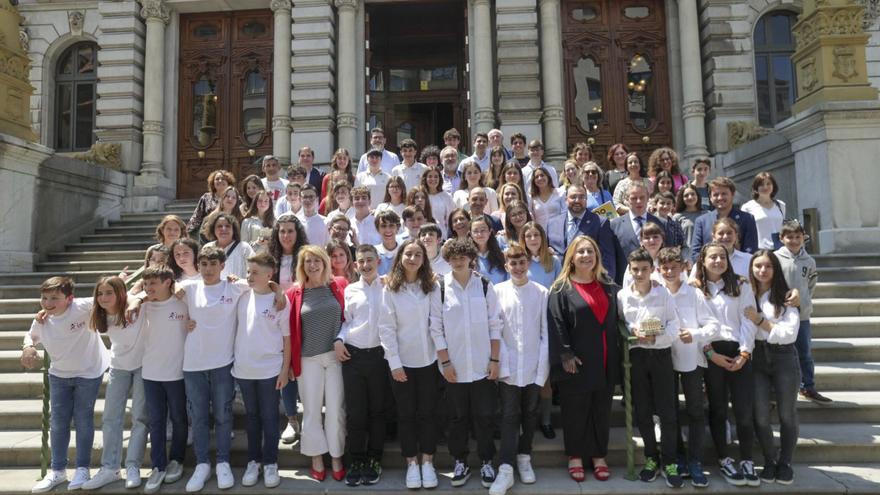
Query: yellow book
{"x": 606, "y": 209}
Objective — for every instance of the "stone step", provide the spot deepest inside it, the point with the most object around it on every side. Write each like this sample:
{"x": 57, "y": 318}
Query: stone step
{"x": 112, "y": 266}
{"x": 25, "y": 291}
{"x": 135, "y": 222}
{"x": 848, "y": 376}
{"x": 151, "y": 216}
{"x": 98, "y": 255}
{"x": 849, "y": 273}
{"x": 127, "y": 229}
{"x": 120, "y": 244}
{"x": 148, "y": 238}
{"x": 859, "y": 289}
{"x": 845, "y": 326}
{"x": 864, "y": 349}
{"x": 36, "y": 278}
{"x": 817, "y": 443}
{"x": 847, "y": 260}
{"x": 812, "y": 479}
{"x": 846, "y": 307}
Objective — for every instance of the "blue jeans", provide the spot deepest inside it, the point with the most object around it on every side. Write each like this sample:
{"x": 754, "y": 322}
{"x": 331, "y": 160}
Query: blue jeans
{"x": 289, "y": 395}
{"x": 209, "y": 393}
{"x": 72, "y": 398}
{"x": 261, "y": 419}
{"x": 803, "y": 344}
{"x": 164, "y": 398}
{"x": 113, "y": 419}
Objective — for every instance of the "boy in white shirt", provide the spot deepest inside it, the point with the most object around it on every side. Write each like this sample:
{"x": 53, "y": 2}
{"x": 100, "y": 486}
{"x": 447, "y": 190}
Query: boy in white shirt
{"x": 409, "y": 169}
{"x": 650, "y": 316}
{"x": 262, "y": 360}
{"x": 78, "y": 359}
{"x": 387, "y": 224}
{"x": 314, "y": 222}
{"x": 688, "y": 360}
{"x": 374, "y": 178}
{"x": 430, "y": 235}
{"x": 524, "y": 366}
{"x": 364, "y": 223}
{"x": 272, "y": 182}
{"x": 468, "y": 347}
{"x": 364, "y": 370}
{"x": 164, "y": 390}
{"x": 291, "y": 202}
{"x": 413, "y": 218}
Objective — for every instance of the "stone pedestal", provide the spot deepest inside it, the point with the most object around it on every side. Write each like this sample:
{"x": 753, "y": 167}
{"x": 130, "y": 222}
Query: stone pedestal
{"x": 836, "y": 145}
{"x": 19, "y": 163}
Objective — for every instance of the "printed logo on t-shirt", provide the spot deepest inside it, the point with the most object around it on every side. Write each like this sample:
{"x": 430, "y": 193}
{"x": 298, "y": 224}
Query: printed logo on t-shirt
{"x": 175, "y": 316}
{"x": 269, "y": 315}
{"x": 225, "y": 300}
{"x": 77, "y": 325}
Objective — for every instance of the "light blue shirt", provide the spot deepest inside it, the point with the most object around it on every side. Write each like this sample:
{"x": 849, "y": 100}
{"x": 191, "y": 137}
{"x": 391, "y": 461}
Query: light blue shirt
{"x": 495, "y": 275}
{"x": 538, "y": 275}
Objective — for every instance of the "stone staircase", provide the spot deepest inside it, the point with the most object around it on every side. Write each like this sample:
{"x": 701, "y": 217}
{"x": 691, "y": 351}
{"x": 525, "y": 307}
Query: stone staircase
{"x": 838, "y": 449}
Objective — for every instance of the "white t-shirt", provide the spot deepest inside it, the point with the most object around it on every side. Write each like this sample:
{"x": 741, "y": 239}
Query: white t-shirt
{"x": 316, "y": 228}
{"x": 75, "y": 350}
{"x": 375, "y": 183}
{"x": 276, "y": 188}
{"x": 259, "y": 341}
{"x": 768, "y": 221}
{"x": 165, "y": 328}
{"x": 236, "y": 260}
{"x": 286, "y": 277}
{"x": 127, "y": 345}
{"x": 213, "y": 307}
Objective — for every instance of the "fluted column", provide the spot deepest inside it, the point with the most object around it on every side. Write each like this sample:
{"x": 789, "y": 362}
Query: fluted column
{"x": 483, "y": 98}
{"x": 281, "y": 81}
{"x": 346, "y": 75}
{"x": 155, "y": 13}
{"x": 551, "y": 80}
{"x": 693, "y": 108}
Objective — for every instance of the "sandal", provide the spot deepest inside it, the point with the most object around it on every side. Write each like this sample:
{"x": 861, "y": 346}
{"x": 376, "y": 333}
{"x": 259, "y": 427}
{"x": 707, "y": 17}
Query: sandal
{"x": 576, "y": 472}
{"x": 601, "y": 473}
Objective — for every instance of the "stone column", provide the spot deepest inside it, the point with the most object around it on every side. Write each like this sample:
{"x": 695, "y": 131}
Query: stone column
{"x": 551, "y": 80}
{"x": 155, "y": 13}
{"x": 346, "y": 76}
{"x": 693, "y": 109}
{"x": 281, "y": 81}
{"x": 484, "y": 82}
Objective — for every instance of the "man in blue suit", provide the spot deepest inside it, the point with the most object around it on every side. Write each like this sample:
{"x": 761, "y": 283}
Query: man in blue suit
{"x": 627, "y": 227}
{"x": 577, "y": 220}
{"x": 721, "y": 192}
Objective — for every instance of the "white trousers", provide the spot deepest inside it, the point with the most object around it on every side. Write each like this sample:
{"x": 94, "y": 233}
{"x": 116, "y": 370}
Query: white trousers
{"x": 320, "y": 385}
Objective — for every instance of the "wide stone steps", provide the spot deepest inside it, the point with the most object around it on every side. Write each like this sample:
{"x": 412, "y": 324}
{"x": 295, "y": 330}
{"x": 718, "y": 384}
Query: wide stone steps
{"x": 37, "y": 278}
{"x": 113, "y": 266}
{"x": 127, "y": 229}
{"x": 110, "y": 245}
{"x": 847, "y": 260}
{"x": 98, "y": 255}
{"x": 849, "y": 273}
{"x": 817, "y": 443}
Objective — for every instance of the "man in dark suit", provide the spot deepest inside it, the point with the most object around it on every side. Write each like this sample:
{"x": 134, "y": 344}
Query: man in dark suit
{"x": 306, "y": 161}
{"x": 627, "y": 227}
{"x": 577, "y": 220}
{"x": 721, "y": 192}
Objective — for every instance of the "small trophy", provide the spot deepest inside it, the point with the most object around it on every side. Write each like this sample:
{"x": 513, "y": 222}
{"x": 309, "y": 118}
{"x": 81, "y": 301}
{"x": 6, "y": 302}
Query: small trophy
{"x": 651, "y": 327}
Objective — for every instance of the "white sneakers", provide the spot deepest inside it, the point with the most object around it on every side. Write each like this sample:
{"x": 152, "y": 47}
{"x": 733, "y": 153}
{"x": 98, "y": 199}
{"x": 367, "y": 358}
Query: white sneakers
{"x": 225, "y": 480}
{"x": 201, "y": 475}
{"x": 52, "y": 479}
{"x": 524, "y": 466}
{"x": 173, "y": 472}
{"x": 80, "y": 476}
{"x": 132, "y": 477}
{"x": 290, "y": 433}
{"x": 413, "y": 476}
{"x": 429, "y": 475}
{"x": 154, "y": 482}
{"x": 270, "y": 476}
{"x": 251, "y": 474}
{"x": 103, "y": 477}
{"x": 503, "y": 480}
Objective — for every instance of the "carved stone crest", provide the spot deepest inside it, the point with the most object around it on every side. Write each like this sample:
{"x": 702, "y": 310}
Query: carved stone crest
{"x": 844, "y": 63}
{"x": 807, "y": 74}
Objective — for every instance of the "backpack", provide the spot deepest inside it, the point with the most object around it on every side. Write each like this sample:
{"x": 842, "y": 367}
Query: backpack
{"x": 483, "y": 279}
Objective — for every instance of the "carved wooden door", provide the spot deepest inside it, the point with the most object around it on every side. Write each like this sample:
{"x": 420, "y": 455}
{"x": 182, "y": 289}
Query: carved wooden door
{"x": 225, "y": 102}
{"x": 617, "y": 86}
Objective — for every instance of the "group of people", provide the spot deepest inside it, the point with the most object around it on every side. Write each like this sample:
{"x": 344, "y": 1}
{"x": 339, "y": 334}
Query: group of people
{"x": 455, "y": 294}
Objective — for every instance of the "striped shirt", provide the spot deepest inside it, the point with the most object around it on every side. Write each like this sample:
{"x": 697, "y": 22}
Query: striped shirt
{"x": 321, "y": 320}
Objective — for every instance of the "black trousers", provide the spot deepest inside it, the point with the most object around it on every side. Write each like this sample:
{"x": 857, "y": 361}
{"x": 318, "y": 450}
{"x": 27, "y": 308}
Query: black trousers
{"x": 416, "y": 401}
{"x": 691, "y": 383}
{"x": 653, "y": 392}
{"x": 740, "y": 385}
{"x": 586, "y": 419}
{"x": 473, "y": 401}
{"x": 519, "y": 415}
{"x": 364, "y": 378}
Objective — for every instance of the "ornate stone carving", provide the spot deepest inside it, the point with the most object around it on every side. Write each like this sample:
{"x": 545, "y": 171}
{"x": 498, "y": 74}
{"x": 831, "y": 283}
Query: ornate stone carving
{"x": 807, "y": 74}
{"x": 153, "y": 127}
{"x": 281, "y": 122}
{"x": 76, "y": 19}
{"x": 280, "y": 5}
{"x": 15, "y": 87}
{"x": 872, "y": 11}
{"x": 693, "y": 108}
{"x": 484, "y": 116}
{"x": 346, "y": 120}
{"x": 346, "y": 4}
{"x": 843, "y": 21}
{"x": 553, "y": 113}
{"x": 24, "y": 39}
{"x": 101, "y": 153}
{"x": 844, "y": 63}
{"x": 155, "y": 9}
{"x": 744, "y": 131}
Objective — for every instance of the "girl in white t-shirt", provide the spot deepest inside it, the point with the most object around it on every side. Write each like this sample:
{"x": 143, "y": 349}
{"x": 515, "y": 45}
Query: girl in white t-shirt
{"x": 261, "y": 215}
{"x": 184, "y": 253}
{"x": 395, "y": 196}
{"x": 768, "y": 211}
{"x": 126, "y": 356}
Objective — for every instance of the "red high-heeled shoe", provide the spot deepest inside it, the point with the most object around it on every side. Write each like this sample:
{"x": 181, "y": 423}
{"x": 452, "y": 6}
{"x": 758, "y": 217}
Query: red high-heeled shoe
{"x": 339, "y": 475}
{"x": 318, "y": 475}
{"x": 576, "y": 472}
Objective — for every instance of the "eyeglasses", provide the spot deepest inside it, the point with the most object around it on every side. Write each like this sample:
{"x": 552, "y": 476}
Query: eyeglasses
{"x": 591, "y": 172}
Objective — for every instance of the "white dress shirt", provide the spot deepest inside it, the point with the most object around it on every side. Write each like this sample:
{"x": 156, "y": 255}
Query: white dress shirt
{"x": 524, "y": 352}
{"x": 366, "y": 230}
{"x": 730, "y": 313}
{"x": 470, "y": 322}
{"x": 482, "y": 162}
{"x": 362, "y": 307}
{"x": 696, "y": 316}
{"x": 407, "y": 321}
{"x": 389, "y": 161}
{"x": 785, "y": 326}
{"x": 441, "y": 206}
{"x": 657, "y": 303}
{"x": 375, "y": 183}
{"x": 440, "y": 266}
{"x": 411, "y": 174}
{"x": 316, "y": 228}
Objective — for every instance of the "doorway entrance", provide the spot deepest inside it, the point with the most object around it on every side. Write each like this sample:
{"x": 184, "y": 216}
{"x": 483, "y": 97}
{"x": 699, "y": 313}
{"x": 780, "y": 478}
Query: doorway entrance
{"x": 225, "y": 98}
{"x": 417, "y": 79}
